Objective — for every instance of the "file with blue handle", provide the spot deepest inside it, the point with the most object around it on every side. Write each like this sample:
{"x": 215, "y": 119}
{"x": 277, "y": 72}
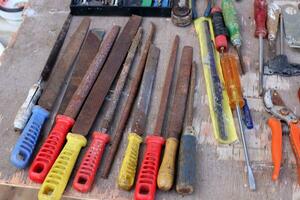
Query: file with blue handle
{"x": 23, "y": 150}
{"x": 26, "y": 143}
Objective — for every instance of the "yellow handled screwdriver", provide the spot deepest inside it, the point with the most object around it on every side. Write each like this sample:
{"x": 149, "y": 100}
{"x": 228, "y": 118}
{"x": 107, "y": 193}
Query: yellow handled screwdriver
{"x": 233, "y": 87}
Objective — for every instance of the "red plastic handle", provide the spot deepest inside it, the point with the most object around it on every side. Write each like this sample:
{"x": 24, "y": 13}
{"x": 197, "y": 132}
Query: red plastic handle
{"x": 146, "y": 183}
{"x": 295, "y": 141}
{"x": 260, "y": 14}
{"x": 50, "y": 149}
{"x": 88, "y": 168}
{"x": 276, "y": 148}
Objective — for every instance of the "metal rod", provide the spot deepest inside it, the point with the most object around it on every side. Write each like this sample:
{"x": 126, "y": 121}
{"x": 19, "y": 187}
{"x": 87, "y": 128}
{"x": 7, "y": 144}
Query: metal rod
{"x": 251, "y": 179}
{"x": 261, "y": 66}
{"x": 281, "y": 34}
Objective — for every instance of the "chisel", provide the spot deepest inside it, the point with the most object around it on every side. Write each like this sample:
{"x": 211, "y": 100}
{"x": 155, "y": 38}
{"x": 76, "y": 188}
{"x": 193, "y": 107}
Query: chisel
{"x": 126, "y": 109}
{"x": 85, "y": 175}
{"x": 146, "y": 182}
{"x": 51, "y": 147}
{"x": 59, "y": 174}
{"x": 187, "y": 149}
{"x": 26, "y": 143}
{"x": 140, "y": 112}
{"x": 166, "y": 171}
{"x": 35, "y": 91}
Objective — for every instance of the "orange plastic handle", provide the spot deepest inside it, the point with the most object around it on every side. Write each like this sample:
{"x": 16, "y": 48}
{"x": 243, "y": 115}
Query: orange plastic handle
{"x": 295, "y": 142}
{"x": 276, "y": 129}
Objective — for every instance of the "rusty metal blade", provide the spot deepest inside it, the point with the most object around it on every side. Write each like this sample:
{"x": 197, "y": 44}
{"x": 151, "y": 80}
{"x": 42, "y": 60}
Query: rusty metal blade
{"x": 144, "y": 97}
{"x": 85, "y": 57}
{"x": 166, "y": 88}
{"x": 188, "y": 120}
{"x": 104, "y": 81}
{"x": 91, "y": 74}
{"x": 176, "y": 117}
{"x": 126, "y": 108}
{"x": 50, "y": 63}
{"x": 64, "y": 64}
{"x": 108, "y": 117}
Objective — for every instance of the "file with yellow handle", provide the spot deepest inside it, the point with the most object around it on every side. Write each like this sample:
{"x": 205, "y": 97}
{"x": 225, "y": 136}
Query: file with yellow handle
{"x": 128, "y": 168}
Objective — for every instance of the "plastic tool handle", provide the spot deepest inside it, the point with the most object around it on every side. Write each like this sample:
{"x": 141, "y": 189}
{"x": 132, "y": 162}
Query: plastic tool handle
{"x": 276, "y": 148}
{"x": 85, "y": 175}
{"x": 146, "y": 3}
{"x": 57, "y": 178}
{"x": 22, "y": 151}
{"x": 230, "y": 71}
{"x": 260, "y": 14}
{"x": 219, "y": 29}
{"x": 129, "y": 163}
{"x": 186, "y": 165}
{"x": 273, "y": 20}
{"x": 50, "y": 149}
{"x": 25, "y": 110}
{"x": 146, "y": 183}
{"x": 231, "y": 22}
{"x": 166, "y": 172}
{"x": 295, "y": 141}
{"x": 247, "y": 118}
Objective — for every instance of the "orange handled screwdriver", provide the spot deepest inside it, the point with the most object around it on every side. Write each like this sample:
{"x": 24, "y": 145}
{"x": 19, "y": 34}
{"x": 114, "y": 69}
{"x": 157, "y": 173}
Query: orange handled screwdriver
{"x": 233, "y": 87}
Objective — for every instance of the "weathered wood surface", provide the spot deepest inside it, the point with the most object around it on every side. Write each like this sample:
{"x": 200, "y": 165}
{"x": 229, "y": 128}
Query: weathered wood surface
{"x": 220, "y": 168}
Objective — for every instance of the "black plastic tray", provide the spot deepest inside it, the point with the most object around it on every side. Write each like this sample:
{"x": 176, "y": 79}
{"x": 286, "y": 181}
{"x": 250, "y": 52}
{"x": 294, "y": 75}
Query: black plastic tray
{"x": 96, "y": 10}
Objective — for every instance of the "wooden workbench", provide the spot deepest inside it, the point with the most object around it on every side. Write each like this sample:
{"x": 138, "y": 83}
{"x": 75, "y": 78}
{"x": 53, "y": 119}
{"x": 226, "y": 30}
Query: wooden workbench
{"x": 220, "y": 168}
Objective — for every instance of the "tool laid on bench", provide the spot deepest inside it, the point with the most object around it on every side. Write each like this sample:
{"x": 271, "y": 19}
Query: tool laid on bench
{"x": 276, "y": 107}
{"x": 279, "y": 65}
{"x": 187, "y": 158}
{"x": 166, "y": 172}
{"x": 85, "y": 175}
{"x": 232, "y": 24}
{"x": 260, "y": 15}
{"x": 274, "y": 13}
{"x": 35, "y": 91}
{"x": 126, "y": 109}
{"x": 146, "y": 181}
{"x": 233, "y": 86}
{"x": 181, "y": 14}
{"x": 58, "y": 176}
{"x": 25, "y": 145}
{"x": 128, "y": 168}
{"x": 64, "y": 121}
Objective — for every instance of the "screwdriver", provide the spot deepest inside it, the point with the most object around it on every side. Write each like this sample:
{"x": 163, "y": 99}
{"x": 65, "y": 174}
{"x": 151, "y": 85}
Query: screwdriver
{"x": 260, "y": 14}
{"x": 220, "y": 30}
{"x": 233, "y": 87}
{"x": 231, "y": 22}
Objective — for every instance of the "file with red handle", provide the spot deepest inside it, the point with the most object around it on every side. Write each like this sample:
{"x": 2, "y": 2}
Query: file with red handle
{"x": 63, "y": 124}
{"x": 85, "y": 175}
{"x": 146, "y": 181}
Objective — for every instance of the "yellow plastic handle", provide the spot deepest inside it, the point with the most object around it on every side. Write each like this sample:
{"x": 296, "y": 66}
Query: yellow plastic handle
{"x": 128, "y": 168}
{"x": 58, "y": 177}
{"x": 166, "y": 171}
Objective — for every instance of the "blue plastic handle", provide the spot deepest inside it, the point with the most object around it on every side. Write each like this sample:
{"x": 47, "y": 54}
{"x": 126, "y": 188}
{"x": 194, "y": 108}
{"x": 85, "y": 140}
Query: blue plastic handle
{"x": 164, "y": 3}
{"x": 155, "y": 3}
{"x": 22, "y": 151}
{"x": 247, "y": 118}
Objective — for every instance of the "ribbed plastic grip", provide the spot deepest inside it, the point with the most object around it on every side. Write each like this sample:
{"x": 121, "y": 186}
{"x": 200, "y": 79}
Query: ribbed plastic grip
{"x": 166, "y": 171}
{"x": 247, "y": 118}
{"x": 25, "y": 110}
{"x": 22, "y": 151}
{"x": 50, "y": 149}
{"x": 128, "y": 167}
{"x": 58, "y": 177}
{"x": 186, "y": 165}
{"x": 89, "y": 165}
{"x": 146, "y": 183}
